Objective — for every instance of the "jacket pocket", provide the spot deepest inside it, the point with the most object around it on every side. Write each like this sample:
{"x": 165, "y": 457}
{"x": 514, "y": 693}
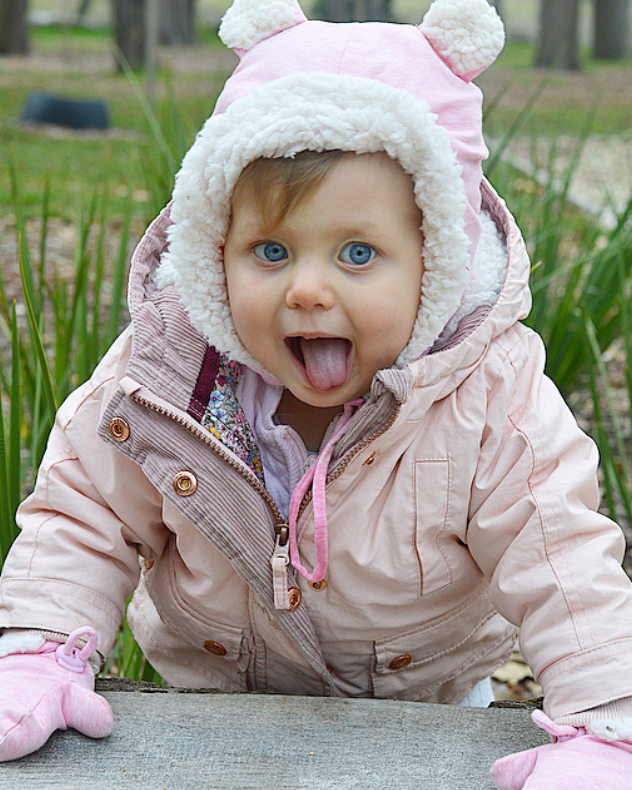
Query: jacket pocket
{"x": 442, "y": 660}
{"x": 222, "y": 647}
{"x": 433, "y": 497}
{"x": 173, "y": 656}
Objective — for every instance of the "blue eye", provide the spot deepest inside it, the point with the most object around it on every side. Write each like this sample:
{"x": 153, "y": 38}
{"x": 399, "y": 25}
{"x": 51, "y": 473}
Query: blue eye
{"x": 357, "y": 254}
{"x": 271, "y": 252}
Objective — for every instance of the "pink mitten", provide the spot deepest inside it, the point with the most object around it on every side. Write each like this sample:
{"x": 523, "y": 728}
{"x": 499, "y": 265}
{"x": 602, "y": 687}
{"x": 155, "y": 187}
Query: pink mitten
{"x": 48, "y": 689}
{"x": 576, "y": 760}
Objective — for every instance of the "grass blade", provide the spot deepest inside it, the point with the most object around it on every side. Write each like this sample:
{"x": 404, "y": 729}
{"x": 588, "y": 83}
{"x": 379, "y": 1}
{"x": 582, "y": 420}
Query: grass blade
{"x": 150, "y": 116}
{"x": 118, "y": 281}
{"x": 6, "y": 527}
{"x": 38, "y": 345}
{"x": 617, "y": 464}
{"x": 15, "y": 420}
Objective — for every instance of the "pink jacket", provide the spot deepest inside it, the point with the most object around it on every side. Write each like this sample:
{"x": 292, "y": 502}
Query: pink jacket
{"x": 461, "y": 499}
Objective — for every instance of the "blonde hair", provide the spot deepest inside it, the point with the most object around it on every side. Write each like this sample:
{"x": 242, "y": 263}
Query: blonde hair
{"x": 278, "y": 185}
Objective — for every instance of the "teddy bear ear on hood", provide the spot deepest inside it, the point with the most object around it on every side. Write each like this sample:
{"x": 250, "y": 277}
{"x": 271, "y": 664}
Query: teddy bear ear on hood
{"x": 247, "y": 22}
{"x": 468, "y": 35}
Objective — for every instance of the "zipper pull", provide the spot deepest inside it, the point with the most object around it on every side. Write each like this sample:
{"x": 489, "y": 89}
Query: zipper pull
{"x": 279, "y": 561}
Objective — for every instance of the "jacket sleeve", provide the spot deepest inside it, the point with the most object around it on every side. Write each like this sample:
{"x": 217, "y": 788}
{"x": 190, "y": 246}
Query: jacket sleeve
{"x": 92, "y": 512}
{"x": 553, "y": 562}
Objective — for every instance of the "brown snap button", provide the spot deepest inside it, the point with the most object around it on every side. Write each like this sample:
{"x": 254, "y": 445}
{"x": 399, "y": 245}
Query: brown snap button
{"x": 148, "y": 564}
{"x": 318, "y": 585}
{"x": 296, "y": 596}
{"x": 329, "y": 668}
{"x": 215, "y": 648}
{"x": 400, "y": 662}
{"x": 119, "y": 429}
{"x": 369, "y": 460}
{"x": 185, "y": 483}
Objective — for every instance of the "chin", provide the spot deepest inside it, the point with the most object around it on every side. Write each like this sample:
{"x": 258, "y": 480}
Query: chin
{"x": 319, "y": 400}
{"x": 327, "y": 400}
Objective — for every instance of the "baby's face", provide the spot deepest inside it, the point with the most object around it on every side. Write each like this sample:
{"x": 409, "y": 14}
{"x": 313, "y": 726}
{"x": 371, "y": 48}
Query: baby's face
{"x": 330, "y": 296}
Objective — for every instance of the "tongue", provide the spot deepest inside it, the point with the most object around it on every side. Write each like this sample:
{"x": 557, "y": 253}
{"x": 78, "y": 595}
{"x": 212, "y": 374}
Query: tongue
{"x": 325, "y": 360}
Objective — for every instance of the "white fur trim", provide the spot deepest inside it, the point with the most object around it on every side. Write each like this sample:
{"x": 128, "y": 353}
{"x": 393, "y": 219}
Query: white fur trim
{"x": 317, "y": 112}
{"x": 487, "y": 275}
{"x": 247, "y": 22}
{"x": 468, "y": 34}
{"x": 611, "y": 729}
{"x": 19, "y": 641}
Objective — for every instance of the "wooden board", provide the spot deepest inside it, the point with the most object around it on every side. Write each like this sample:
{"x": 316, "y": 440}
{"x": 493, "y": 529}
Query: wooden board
{"x": 200, "y": 740}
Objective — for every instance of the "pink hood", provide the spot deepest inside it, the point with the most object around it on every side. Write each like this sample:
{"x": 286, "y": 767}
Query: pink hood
{"x": 367, "y": 87}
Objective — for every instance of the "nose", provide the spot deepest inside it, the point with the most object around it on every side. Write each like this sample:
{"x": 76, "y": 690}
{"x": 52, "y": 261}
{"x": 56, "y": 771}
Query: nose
{"x": 310, "y": 286}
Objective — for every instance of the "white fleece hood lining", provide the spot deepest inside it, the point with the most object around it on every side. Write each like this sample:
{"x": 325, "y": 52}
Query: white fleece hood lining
{"x": 315, "y": 111}
{"x": 487, "y": 275}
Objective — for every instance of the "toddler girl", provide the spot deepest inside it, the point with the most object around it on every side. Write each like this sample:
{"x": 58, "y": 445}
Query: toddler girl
{"x": 325, "y": 432}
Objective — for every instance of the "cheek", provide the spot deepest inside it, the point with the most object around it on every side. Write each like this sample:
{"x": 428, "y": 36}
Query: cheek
{"x": 411, "y": 309}
{"x": 396, "y": 310}
{"x": 239, "y": 293}
{"x": 391, "y": 324}
{"x": 250, "y": 311}
{"x": 408, "y": 299}
{"x": 245, "y": 315}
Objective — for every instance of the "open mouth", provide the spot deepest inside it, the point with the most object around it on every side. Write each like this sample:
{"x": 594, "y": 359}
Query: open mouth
{"x": 323, "y": 361}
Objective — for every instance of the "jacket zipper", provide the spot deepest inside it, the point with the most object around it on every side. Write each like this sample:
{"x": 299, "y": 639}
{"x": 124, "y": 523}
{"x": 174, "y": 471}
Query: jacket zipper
{"x": 207, "y": 439}
{"x": 280, "y": 526}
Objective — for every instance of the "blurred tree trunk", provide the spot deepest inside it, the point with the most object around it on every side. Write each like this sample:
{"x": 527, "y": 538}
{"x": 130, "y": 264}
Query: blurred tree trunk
{"x": 559, "y": 34}
{"x": 353, "y": 10}
{"x": 177, "y": 22}
{"x": 14, "y": 31}
{"x": 84, "y": 7}
{"x": 612, "y": 28}
{"x": 129, "y": 30}
{"x": 177, "y": 26}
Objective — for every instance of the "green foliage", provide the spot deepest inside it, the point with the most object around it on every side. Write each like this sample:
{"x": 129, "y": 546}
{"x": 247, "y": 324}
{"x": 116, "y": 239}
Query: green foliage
{"x": 70, "y": 322}
{"x": 63, "y": 323}
{"x": 581, "y": 281}
{"x": 127, "y": 660}
{"x": 67, "y": 325}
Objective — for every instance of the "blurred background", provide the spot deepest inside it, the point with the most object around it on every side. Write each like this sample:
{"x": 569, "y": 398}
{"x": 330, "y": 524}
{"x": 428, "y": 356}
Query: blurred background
{"x": 87, "y": 49}
{"x": 100, "y": 99}
{"x": 559, "y": 24}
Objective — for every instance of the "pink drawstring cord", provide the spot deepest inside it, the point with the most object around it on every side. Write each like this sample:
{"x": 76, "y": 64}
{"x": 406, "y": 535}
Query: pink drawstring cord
{"x": 316, "y": 476}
